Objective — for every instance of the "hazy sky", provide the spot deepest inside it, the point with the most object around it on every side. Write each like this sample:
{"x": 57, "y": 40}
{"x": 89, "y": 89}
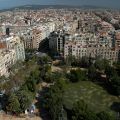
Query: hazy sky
{"x": 107, "y": 3}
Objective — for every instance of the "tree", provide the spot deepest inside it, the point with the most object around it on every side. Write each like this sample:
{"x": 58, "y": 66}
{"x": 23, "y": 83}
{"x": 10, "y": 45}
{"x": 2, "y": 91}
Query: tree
{"x": 44, "y": 60}
{"x": 91, "y": 116}
{"x": 92, "y": 72}
{"x": 27, "y": 50}
{"x": 80, "y": 111}
{"x": 13, "y": 104}
{"x": 55, "y": 105}
{"x": 117, "y": 66}
{"x": 110, "y": 71}
{"x": 105, "y": 116}
{"x": 7, "y": 86}
{"x": 53, "y": 100}
{"x": 49, "y": 77}
{"x": 101, "y": 64}
{"x": 32, "y": 80}
{"x": 25, "y": 99}
{"x": 44, "y": 70}
{"x": 69, "y": 60}
{"x": 77, "y": 75}
{"x": 35, "y": 75}
{"x": 115, "y": 83}
{"x": 47, "y": 68}
{"x": 84, "y": 62}
{"x": 31, "y": 85}
{"x": 2, "y": 79}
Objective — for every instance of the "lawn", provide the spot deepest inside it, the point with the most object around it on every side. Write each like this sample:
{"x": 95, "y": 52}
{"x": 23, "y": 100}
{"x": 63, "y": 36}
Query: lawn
{"x": 94, "y": 95}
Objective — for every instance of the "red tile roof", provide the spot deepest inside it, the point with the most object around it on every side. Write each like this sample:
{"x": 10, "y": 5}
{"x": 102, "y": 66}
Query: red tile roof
{"x": 2, "y": 45}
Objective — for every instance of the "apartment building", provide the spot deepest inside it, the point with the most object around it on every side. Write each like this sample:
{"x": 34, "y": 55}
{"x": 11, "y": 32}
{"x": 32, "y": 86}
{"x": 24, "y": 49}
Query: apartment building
{"x": 14, "y": 42}
{"x": 92, "y": 46}
{"x": 77, "y": 50}
{"x": 27, "y": 39}
{"x": 36, "y": 38}
{"x": 117, "y": 39}
{"x": 11, "y": 51}
{"x": 104, "y": 52}
{"x": 7, "y": 59}
{"x": 35, "y": 35}
{"x": 56, "y": 41}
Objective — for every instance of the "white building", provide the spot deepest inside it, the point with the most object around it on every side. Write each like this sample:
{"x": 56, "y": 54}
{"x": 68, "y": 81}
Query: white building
{"x": 11, "y": 51}
{"x": 7, "y": 59}
{"x": 91, "y": 46}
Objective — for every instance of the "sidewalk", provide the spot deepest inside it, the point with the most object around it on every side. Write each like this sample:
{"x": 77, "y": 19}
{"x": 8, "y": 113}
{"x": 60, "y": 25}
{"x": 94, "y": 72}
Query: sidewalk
{"x": 9, "y": 117}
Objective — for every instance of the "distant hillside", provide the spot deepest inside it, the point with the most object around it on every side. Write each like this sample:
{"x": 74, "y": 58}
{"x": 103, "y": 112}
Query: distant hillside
{"x": 36, "y": 7}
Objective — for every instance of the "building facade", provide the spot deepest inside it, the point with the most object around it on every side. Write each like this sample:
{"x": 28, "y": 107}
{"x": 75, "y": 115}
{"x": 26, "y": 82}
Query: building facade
{"x": 11, "y": 51}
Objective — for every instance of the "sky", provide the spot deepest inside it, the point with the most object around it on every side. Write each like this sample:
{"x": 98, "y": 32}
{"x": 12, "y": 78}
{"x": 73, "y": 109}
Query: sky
{"x": 105, "y": 3}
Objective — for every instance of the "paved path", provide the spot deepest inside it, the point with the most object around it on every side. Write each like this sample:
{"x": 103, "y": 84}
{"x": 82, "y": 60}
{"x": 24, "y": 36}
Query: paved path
{"x": 9, "y": 117}
{"x": 56, "y": 69}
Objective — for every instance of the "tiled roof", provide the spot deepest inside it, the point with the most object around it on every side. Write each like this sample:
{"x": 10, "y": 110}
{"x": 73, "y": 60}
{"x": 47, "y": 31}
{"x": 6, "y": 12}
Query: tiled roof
{"x": 2, "y": 45}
